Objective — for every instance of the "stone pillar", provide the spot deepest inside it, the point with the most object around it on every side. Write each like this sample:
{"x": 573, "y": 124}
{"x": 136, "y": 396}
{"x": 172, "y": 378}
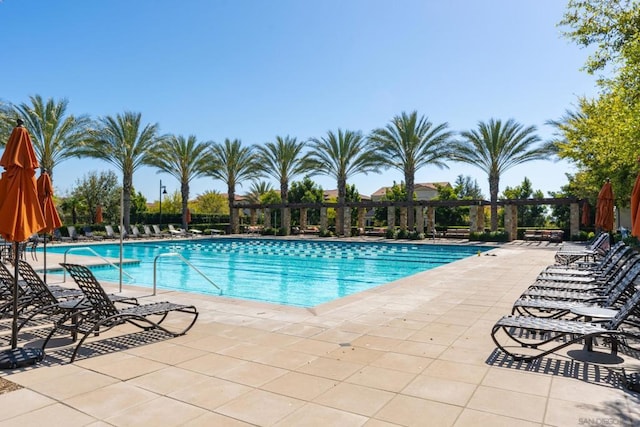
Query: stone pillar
{"x": 253, "y": 216}
{"x": 338, "y": 221}
{"x": 574, "y": 221}
{"x": 303, "y": 218}
{"x": 431, "y": 219}
{"x": 476, "y": 219}
{"x": 420, "y": 219}
{"x": 267, "y": 218}
{"x": 403, "y": 218}
{"x": 286, "y": 221}
{"x": 391, "y": 217}
{"x": 511, "y": 221}
{"x": 362, "y": 212}
{"x": 347, "y": 221}
{"x": 324, "y": 223}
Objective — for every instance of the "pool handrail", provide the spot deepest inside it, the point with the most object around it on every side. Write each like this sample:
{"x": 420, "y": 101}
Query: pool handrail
{"x": 186, "y": 261}
{"x": 64, "y": 272}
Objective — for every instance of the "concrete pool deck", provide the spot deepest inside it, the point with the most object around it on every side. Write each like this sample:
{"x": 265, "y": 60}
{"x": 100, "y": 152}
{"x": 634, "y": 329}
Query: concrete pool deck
{"x": 416, "y": 351}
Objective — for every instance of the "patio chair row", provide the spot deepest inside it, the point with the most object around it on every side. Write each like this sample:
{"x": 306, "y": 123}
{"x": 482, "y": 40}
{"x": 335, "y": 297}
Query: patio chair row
{"x": 84, "y": 311}
{"x": 558, "y": 309}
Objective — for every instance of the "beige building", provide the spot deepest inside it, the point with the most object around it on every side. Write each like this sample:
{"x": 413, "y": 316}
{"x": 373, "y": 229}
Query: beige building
{"x": 423, "y": 190}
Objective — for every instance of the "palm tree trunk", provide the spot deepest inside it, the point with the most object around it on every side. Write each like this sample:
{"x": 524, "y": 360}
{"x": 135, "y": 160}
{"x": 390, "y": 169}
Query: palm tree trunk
{"x": 127, "y": 184}
{"x": 233, "y": 215}
{"x": 342, "y": 195}
{"x": 285, "y": 213}
{"x": 409, "y": 178}
{"x": 185, "y": 200}
{"x": 493, "y": 191}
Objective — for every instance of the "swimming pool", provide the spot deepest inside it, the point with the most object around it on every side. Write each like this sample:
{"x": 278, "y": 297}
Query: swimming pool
{"x": 292, "y": 272}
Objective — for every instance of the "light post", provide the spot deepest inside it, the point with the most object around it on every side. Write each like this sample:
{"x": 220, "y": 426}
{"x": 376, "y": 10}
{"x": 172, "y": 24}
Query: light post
{"x": 163, "y": 190}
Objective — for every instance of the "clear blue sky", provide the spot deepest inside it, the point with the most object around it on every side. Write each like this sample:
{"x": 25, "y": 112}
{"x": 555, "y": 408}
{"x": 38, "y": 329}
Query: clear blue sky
{"x": 256, "y": 69}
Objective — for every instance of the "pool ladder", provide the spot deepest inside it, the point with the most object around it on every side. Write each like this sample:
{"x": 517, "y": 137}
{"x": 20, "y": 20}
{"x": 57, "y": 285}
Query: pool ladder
{"x": 87, "y": 248}
{"x": 186, "y": 261}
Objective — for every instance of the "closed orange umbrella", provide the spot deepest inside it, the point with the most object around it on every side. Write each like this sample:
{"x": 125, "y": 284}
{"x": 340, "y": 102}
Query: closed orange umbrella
{"x": 604, "y": 208}
{"x": 20, "y": 212}
{"x": 99, "y": 218}
{"x": 51, "y": 217}
{"x": 188, "y": 218}
{"x": 45, "y": 194}
{"x": 20, "y": 217}
{"x": 635, "y": 208}
{"x": 586, "y": 214}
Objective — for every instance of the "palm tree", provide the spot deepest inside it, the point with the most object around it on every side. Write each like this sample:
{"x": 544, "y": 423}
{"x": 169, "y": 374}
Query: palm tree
{"x": 283, "y": 160}
{"x": 341, "y": 156}
{"x": 123, "y": 142}
{"x": 232, "y": 163}
{"x": 184, "y": 159}
{"x": 55, "y": 134}
{"x": 258, "y": 188}
{"x": 7, "y": 122}
{"x": 496, "y": 147}
{"x": 408, "y": 144}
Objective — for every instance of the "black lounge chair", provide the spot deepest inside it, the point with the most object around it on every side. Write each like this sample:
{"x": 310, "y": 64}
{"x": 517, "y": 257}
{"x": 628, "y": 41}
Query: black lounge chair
{"x": 74, "y": 234}
{"x": 550, "y": 335}
{"x": 41, "y": 298}
{"x": 601, "y": 286}
{"x": 569, "y": 254}
{"x": 89, "y": 233}
{"x": 105, "y": 315}
{"x": 110, "y": 234}
{"x": 557, "y": 308}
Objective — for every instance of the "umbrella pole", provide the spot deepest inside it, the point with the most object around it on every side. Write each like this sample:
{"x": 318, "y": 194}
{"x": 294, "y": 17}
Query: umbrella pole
{"x": 18, "y": 357}
{"x": 44, "y": 261}
{"x": 14, "y": 321}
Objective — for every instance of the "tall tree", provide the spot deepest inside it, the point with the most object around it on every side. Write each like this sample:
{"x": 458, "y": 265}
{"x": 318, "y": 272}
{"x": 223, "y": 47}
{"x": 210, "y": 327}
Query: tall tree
{"x": 496, "y": 147}
{"x": 54, "y": 133}
{"x": 7, "y": 122}
{"x": 232, "y": 163}
{"x": 341, "y": 155}
{"x": 306, "y": 191}
{"x": 99, "y": 189}
{"x": 283, "y": 160}
{"x": 611, "y": 25}
{"x": 467, "y": 187}
{"x": 185, "y": 159}
{"x": 258, "y": 188}
{"x": 410, "y": 143}
{"x": 602, "y": 137}
{"x": 127, "y": 145}
{"x": 528, "y": 215}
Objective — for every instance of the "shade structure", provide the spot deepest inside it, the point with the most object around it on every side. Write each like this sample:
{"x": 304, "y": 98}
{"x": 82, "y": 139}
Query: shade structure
{"x": 99, "y": 218}
{"x": 51, "y": 217}
{"x": 604, "y": 208}
{"x": 586, "y": 214}
{"x": 20, "y": 217}
{"x": 188, "y": 216}
{"x": 635, "y": 208}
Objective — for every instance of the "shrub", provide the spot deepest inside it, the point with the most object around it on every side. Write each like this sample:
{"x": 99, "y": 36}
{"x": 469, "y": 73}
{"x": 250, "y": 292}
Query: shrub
{"x": 414, "y": 235}
{"x": 402, "y": 234}
{"x": 391, "y": 233}
{"x": 269, "y": 231}
{"x": 490, "y": 236}
{"x": 324, "y": 233}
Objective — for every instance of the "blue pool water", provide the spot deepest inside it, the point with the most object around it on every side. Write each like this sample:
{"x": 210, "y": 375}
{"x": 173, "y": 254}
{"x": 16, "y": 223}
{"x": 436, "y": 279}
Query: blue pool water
{"x": 291, "y": 272}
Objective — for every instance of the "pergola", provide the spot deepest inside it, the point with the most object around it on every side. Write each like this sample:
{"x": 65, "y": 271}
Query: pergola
{"x": 423, "y": 209}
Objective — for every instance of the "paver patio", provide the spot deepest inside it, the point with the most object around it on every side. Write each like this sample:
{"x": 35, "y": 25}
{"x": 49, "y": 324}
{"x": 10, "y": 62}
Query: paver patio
{"x": 416, "y": 351}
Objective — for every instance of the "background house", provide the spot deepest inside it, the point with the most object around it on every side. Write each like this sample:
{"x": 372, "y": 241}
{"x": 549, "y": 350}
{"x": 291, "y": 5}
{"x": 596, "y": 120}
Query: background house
{"x": 423, "y": 190}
